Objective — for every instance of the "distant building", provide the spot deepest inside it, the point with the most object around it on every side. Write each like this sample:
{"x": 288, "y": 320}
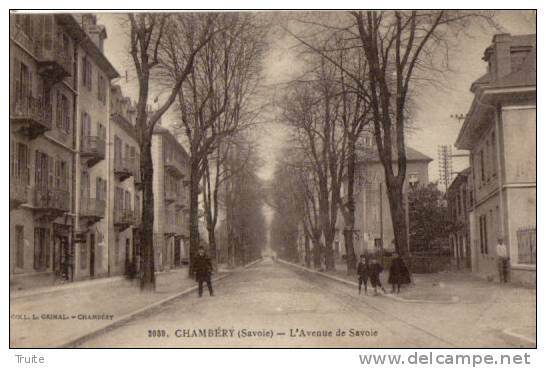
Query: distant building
{"x": 373, "y": 224}
{"x": 171, "y": 206}
{"x": 458, "y": 201}
{"x": 124, "y": 191}
{"x": 500, "y": 133}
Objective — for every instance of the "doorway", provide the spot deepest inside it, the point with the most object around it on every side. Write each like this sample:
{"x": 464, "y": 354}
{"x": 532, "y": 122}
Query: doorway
{"x": 92, "y": 255}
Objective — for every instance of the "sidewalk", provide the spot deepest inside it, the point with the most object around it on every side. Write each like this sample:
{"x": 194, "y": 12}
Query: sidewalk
{"x": 508, "y": 309}
{"x": 52, "y": 317}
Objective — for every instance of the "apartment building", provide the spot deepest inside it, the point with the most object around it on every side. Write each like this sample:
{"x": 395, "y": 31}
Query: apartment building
{"x": 124, "y": 193}
{"x": 459, "y": 200}
{"x": 171, "y": 189}
{"x": 500, "y": 133}
{"x": 373, "y": 224}
{"x": 45, "y": 56}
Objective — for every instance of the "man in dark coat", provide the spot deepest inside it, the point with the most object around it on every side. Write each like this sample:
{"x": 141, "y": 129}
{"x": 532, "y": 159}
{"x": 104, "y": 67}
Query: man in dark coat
{"x": 398, "y": 273}
{"x": 363, "y": 274}
{"x": 375, "y": 270}
{"x": 202, "y": 267}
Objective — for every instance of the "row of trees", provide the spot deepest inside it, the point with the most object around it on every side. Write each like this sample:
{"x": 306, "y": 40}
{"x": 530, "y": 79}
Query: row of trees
{"x": 362, "y": 70}
{"x": 209, "y": 65}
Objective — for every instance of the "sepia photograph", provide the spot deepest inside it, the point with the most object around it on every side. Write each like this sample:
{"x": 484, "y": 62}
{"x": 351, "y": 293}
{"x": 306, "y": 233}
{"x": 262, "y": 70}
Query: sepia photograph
{"x": 273, "y": 179}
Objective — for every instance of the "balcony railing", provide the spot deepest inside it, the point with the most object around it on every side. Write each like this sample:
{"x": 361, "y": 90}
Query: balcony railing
{"x": 31, "y": 116}
{"x": 92, "y": 208}
{"x": 173, "y": 167}
{"x": 55, "y": 62}
{"x": 123, "y": 168}
{"x": 18, "y": 191}
{"x": 123, "y": 217}
{"x": 170, "y": 195}
{"x": 93, "y": 148}
{"x": 55, "y": 200}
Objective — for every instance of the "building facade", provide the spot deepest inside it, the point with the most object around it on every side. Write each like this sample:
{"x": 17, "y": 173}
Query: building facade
{"x": 171, "y": 186}
{"x": 46, "y": 53}
{"x": 373, "y": 224}
{"x": 500, "y": 133}
{"x": 459, "y": 201}
{"x": 124, "y": 193}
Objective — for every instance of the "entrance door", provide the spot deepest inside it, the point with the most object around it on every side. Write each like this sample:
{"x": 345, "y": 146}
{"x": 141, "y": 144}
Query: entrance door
{"x": 92, "y": 255}
{"x": 177, "y": 252}
{"x": 61, "y": 257}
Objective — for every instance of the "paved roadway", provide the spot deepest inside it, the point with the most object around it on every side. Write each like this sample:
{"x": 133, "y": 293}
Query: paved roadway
{"x": 274, "y": 297}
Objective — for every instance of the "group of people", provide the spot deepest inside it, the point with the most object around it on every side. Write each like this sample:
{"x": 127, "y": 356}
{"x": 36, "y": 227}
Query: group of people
{"x": 370, "y": 269}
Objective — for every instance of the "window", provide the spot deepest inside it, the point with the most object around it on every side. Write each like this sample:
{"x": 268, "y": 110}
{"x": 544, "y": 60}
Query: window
{"x": 22, "y": 81}
{"x": 116, "y": 249}
{"x": 101, "y": 89}
{"x": 61, "y": 175}
{"x": 527, "y": 245}
{"x": 83, "y": 254}
{"x": 20, "y": 161}
{"x": 87, "y": 73}
{"x": 20, "y": 246}
{"x": 127, "y": 203}
{"x": 101, "y": 130}
{"x": 42, "y": 170}
{"x": 41, "y": 248}
{"x": 117, "y": 150}
{"x": 484, "y": 248}
{"x": 100, "y": 189}
{"x": 24, "y": 21}
{"x": 493, "y": 155}
{"x": 62, "y": 112}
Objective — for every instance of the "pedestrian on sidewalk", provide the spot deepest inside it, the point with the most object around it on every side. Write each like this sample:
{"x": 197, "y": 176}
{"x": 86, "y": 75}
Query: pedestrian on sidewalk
{"x": 375, "y": 270}
{"x": 502, "y": 261}
{"x": 398, "y": 273}
{"x": 363, "y": 271}
{"x": 202, "y": 267}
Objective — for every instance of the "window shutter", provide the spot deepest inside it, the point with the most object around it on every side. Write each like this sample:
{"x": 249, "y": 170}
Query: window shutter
{"x": 50, "y": 163}
{"x": 37, "y": 248}
{"x": 17, "y": 79}
{"x": 47, "y": 246}
{"x": 38, "y": 169}
{"x": 30, "y": 92}
{"x": 48, "y": 31}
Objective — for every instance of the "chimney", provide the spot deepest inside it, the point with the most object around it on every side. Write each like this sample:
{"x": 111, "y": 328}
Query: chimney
{"x": 501, "y": 61}
{"x": 96, "y": 32}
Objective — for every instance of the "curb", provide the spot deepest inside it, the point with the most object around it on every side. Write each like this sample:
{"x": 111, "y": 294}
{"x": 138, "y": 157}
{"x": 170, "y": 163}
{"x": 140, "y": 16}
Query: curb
{"x": 510, "y": 333}
{"x": 77, "y": 285}
{"x": 127, "y": 317}
{"x": 351, "y": 283}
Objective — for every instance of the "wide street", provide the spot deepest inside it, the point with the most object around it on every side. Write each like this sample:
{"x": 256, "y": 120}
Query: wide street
{"x": 274, "y": 298}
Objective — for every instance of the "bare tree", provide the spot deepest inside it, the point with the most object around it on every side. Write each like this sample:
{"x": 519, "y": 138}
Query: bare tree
{"x": 401, "y": 48}
{"x": 148, "y": 35}
{"x": 213, "y": 103}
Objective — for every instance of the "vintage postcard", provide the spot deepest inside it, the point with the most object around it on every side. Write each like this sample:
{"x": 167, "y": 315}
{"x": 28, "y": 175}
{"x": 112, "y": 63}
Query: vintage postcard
{"x": 294, "y": 179}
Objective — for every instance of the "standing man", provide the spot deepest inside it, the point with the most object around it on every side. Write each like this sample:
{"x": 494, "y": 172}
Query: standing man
{"x": 363, "y": 271}
{"x": 202, "y": 267}
{"x": 502, "y": 261}
{"x": 375, "y": 270}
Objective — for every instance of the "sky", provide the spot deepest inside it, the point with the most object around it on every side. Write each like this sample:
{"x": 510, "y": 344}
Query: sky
{"x": 434, "y": 106}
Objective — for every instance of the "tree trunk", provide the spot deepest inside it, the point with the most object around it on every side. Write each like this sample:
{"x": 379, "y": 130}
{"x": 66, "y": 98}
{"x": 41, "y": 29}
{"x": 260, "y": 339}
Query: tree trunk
{"x": 212, "y": 247}
{"x": 349, "y": 214}
{"x": 194, "y": 213}
{"x": 307, "y": 252}
{"x": 147, "y": 267}
{"x": 398, "y": 216}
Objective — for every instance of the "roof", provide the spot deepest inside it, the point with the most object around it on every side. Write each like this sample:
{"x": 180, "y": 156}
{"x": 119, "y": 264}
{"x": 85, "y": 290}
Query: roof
{"x": 76, "y": 31}
{"x": 525, "y": 75}
{"x": 411, "y": 155}
{"x": 158, "y": 129}
{"x": 461, "y": 177}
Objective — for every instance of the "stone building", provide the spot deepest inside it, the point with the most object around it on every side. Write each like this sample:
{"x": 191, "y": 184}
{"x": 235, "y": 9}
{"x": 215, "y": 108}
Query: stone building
{"x": 459, "y": 202}
{"x": 46, "y": 152}
{"x": 500, "y": 133}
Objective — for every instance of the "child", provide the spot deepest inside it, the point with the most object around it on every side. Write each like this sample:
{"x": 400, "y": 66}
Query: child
{"x": 363, "y": 272}
{"x": 375, "y": 270}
